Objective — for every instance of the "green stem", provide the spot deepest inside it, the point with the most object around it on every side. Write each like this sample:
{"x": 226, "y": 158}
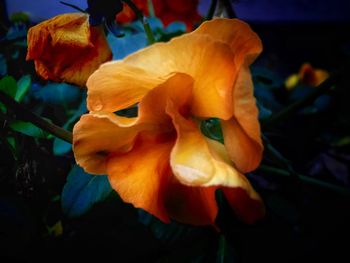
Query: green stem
{"x": 211, "y": 10}
{"x": 24, "y": 114}
{"x": 143, "y": 20}
{"x": 324, "y": 87}
{"x": 150, "y": 8}
{"x": 306, "y": 179}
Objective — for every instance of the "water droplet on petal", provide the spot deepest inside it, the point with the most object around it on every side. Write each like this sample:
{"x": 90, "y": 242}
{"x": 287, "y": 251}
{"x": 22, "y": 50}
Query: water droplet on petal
{"x": 97, "y": 105}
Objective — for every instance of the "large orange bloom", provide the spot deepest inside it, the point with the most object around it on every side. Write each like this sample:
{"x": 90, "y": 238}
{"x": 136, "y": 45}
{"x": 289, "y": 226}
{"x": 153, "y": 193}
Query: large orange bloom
{"x": 166, "y": 10}
{"x": 159, "y": 160}
{"x": 66, "y": 48}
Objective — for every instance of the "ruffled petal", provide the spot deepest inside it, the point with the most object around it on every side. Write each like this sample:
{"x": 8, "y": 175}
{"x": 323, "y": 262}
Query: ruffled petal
{"x": 198, "y": 161}
{"x": 116, "y": 85}
{"x": 141, "y": 176}
{"x": 207, "y": 61}
{"x": 98, "y": 134}
{"x": 66, "y": 48}
{"x": 95, "y": 136}
{"x": 242, "y": 135}
{"x": 244, "y": 42}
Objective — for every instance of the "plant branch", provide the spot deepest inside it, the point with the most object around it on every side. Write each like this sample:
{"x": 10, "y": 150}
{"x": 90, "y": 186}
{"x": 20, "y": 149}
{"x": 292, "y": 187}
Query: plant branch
{"x": 24, "y": 114}
{"x": 143, "y": 20}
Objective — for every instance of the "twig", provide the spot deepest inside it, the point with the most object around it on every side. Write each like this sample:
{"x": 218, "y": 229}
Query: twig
{"x": 24, "y": 114}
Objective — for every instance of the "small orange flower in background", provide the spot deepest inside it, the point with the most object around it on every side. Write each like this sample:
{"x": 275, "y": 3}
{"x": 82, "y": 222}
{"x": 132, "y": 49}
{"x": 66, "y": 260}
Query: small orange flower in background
{"x": 66, "y": 48}
{"x": 308, "y": 75}
{"x": 167, "y": 11}
{"x": 160, "y": 161}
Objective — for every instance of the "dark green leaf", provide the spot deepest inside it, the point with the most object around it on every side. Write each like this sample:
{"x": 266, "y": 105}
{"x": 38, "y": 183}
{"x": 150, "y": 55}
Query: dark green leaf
{"x": 29, "y": 129}
{"x": 8, "y": 85}
{"x": 82, "y": 191}
{"x": 23, "y": 85}
{"x": 212, "y": 129}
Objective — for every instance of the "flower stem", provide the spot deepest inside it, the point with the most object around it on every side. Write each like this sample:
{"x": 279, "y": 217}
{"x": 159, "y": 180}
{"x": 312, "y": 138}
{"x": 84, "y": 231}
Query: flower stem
{"x": 306, "y": 179}
{"x": 24, "y": 114}
{"x": 143, "y": 20}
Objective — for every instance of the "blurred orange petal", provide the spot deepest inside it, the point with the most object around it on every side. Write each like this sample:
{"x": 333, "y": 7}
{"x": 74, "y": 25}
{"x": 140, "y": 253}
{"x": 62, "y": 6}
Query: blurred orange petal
{"x": 66, "y": 48}
{"x": 312, "y": 76}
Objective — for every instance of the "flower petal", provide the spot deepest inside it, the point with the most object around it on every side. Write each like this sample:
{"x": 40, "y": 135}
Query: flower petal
{"x": 116, "y": 85}
{"x": 207, "y": 61}
{"x": 242, "y": 132}
{"x": 141, "y": 176}
{"x": 244, "y": 42}
{"x": 96, "y": 136}
{"x": 66, "y": 48}
{"x": 199, "y": 161}
{"x": 191, "y": 205}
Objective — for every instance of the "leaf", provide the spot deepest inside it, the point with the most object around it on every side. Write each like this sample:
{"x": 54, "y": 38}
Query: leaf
{"x": 61, "y": 147}
{"x": 29, "y": 129}
{"x": 212, "y": 129}
{"x": 123, "y": 46}
{"x": 23, "y": 85}
{"x": 58, "y": 93}
{"x": 175, "y": 27}
{"x": 82, "y": 191}
{"x": 8, "y": 85}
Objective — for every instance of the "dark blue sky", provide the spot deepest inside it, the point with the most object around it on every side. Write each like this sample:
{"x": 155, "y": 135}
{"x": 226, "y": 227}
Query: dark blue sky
{"x": 251, "y": 10}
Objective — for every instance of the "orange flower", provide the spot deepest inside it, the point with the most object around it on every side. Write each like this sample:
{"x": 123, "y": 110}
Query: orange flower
{"x": 168, "y": 11}
{"x": 66, "y": 48}
{"x": 159, "y": 160}
{"x": 307, "y": 75}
